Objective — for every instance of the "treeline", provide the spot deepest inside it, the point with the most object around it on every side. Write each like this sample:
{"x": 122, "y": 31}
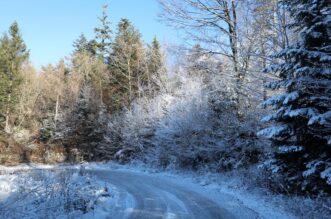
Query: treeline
{"x": 65, "y": 101}
{"x": 115, "y": 97}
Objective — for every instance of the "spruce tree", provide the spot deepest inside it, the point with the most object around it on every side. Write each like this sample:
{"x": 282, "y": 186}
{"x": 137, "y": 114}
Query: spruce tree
{"x": 86, "y": 127}
{"x": 103, "y": 36}
{"x": 13, "y": 53}
{"x": 127, "y": 65}
{"x": 155, "y": 67}
{"x": 155, "y": 57}
{"x": 302, "y": 130}
{"x": 80, "y": 44}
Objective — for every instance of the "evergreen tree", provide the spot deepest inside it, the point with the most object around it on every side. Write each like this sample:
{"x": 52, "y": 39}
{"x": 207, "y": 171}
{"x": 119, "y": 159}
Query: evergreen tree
{"x": 91, "y": 47}
{"x": 103, "y": 36}
{"x": 155, "y": 66}
{"x": 127, "y": 65}
{"x": 155, "y": 62}
{"x": 80, "y": 44}
{"x": 13, "y": 53}
{"x": 86, "y": 128}
{"x": 198, "y": 63}
{"x": 303, "y": 117}
{"x": 91, "y": 70}
{"x": 195, "y": 62}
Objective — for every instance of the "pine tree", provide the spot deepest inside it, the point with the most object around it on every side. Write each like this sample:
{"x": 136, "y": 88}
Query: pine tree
{"x": 302, "y": 132}
{"x": 13, "y": 53}
{"x": 103, "y": 36}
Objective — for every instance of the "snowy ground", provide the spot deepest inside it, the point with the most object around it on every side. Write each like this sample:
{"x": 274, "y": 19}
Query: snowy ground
{"x": 135, "y": 191}
{"x": 41, "y": 191}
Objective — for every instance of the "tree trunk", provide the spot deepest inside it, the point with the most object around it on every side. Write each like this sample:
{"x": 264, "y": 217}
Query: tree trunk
{"x": 264, "y": 66}
{"x": 101, "y": 94}
{"x": 232, "y": 27}
{"x": 7, "y": 125}
{"x": 56, "y": 109}
{"x": 130, "y": 84}
{"x": 231, "y": 17}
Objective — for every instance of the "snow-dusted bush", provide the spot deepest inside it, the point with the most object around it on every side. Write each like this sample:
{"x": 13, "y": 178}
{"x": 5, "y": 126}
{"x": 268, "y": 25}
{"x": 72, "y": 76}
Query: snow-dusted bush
{"x": 48, "y": 194}
{"x": 131, "y": 132}
{"x": 186, "y": 129}
{"x": 140, "y": 122}
{"x": 193, "y": 125}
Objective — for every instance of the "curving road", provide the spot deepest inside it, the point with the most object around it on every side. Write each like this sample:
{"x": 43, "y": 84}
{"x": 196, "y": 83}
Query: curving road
{"x": 141, "y": 196}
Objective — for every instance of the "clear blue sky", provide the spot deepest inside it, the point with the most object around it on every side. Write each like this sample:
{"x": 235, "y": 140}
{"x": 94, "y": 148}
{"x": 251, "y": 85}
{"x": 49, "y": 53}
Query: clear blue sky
{"x": 50, "y": 26}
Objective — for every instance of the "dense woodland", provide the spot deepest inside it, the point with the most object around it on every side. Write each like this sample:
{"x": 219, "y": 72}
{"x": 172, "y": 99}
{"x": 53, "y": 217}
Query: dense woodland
{"x": 250, "y": 88}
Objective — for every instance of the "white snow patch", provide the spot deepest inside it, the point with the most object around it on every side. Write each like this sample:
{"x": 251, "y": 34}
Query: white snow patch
{"x": 273, "y": 131}
{"x": 291, "y": 97}
{"x": 326, "y": 174}
{"x": 289, "y": 149}
{"x": 45, "y": 191}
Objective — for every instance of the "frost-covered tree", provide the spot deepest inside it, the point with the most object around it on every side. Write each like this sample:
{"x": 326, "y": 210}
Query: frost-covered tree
{"x": 302, "y": 130}
{"x": 199, "y": 63}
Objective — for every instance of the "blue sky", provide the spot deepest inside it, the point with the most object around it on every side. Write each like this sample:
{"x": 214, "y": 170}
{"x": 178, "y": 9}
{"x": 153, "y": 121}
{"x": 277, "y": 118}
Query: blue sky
{"x": 50, "y": 26}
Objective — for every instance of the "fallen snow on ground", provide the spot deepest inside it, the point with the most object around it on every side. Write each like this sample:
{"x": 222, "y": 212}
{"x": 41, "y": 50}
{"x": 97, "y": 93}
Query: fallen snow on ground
{"x": 45, "y": 191}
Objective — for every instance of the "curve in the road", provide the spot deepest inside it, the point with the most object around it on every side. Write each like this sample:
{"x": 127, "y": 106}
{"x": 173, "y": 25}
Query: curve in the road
{"x": 153, "y": 198}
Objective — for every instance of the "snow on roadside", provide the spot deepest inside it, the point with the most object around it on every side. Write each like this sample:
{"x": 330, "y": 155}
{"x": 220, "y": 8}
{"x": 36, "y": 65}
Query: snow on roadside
{"x": 45, "y": 191}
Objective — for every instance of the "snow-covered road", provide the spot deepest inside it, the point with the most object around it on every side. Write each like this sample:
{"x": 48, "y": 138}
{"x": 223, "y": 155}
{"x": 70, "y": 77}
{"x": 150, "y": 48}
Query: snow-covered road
{"x": 146, "y": 196}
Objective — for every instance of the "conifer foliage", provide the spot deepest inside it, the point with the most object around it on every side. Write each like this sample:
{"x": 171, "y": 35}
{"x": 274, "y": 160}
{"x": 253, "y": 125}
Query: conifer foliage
{"x": 302, "y": 130}
{"x": 127, "y": 64}
{"x": 103, "y": 36}
{"x": 13, "y": 53}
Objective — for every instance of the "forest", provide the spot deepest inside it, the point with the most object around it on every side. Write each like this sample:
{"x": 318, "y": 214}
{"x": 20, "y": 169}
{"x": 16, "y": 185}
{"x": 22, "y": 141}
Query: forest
{"x": 248, "y": 93}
